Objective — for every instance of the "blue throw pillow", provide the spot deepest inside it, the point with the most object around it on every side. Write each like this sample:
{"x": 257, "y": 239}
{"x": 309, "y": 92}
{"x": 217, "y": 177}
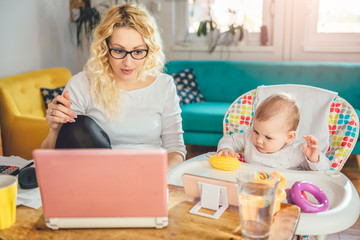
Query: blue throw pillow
{"x": 187, "y": 87}
{"x": 49, "y": 94}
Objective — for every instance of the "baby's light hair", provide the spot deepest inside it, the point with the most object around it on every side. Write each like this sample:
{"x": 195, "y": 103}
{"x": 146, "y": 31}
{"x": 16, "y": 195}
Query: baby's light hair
{"x": 279, "y": 103}
{"x": 102, "y": 82}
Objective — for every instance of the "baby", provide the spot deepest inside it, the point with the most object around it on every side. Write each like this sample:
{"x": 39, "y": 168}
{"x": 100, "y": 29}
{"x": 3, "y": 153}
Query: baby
{"x": 271, "y": 139}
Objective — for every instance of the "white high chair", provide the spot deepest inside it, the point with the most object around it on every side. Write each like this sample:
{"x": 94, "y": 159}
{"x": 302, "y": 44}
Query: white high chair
{"x": 343, "y": 127}
{"x": 343, "y": 124}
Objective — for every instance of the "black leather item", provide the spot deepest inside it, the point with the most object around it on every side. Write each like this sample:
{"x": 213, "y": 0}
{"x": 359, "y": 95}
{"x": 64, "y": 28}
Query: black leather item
{"x": 83, "y": 133}
{"x": 27, "y": 178}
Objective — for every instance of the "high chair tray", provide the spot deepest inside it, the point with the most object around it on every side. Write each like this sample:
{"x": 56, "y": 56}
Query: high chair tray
{"x": 344, "y": 200}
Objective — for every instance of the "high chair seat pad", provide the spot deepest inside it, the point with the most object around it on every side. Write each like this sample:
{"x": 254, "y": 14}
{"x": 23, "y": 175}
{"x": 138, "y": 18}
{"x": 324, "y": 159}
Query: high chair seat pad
{"x": 318, "y": 108}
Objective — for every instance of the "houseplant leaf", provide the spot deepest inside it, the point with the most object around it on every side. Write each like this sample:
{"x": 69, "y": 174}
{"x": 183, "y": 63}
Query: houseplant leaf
{"x": 241, "y": 37}
{"x": 199, "y": 29}
{"x": 89, "y": 18}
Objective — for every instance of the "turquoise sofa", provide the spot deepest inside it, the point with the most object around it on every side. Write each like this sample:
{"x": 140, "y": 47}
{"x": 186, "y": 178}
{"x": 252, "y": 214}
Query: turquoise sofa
{"x": 221, "y": 82}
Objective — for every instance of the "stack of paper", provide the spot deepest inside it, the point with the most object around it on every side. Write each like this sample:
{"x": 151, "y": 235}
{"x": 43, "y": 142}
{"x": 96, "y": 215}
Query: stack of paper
{"x": 27, "y": 197}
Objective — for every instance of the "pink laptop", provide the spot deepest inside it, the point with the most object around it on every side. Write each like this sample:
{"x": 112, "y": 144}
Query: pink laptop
{"x": 103, "y": 188}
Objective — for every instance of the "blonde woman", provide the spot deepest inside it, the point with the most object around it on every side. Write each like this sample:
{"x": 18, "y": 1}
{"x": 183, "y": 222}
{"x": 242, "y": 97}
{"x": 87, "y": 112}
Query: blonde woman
{"x": 122, "y": 89}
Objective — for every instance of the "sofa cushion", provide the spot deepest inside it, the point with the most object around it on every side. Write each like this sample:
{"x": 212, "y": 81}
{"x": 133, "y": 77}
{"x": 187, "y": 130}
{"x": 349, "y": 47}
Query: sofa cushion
{"x": 187, "y": 87}
{"x": 204, "y": 116}
{"x": 49, "y": 94}
{"x": 233, "y": 78}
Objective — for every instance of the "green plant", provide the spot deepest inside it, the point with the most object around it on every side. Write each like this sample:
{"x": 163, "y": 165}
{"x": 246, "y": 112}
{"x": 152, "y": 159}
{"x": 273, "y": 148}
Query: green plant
{"x": 88, "y": 19}
{"x": 204, "y": 26}
{"x": 208, "y": 26}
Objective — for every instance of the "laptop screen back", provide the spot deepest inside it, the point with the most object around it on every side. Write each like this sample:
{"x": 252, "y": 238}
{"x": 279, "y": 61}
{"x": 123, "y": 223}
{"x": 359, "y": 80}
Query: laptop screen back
{"x": 102, "y": 182}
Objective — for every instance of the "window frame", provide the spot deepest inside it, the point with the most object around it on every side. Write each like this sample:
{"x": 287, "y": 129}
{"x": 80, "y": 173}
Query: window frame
{"x": 190, "y": 41}
{"x": 326, "y": 42}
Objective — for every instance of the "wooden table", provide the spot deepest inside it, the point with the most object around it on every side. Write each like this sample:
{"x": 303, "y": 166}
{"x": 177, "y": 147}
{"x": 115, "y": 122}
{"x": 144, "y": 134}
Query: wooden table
{"x": 182, "y": 225}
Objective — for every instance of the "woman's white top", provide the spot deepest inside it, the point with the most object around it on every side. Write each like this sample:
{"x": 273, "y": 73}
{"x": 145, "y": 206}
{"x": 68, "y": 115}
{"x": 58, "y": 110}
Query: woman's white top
{"x": 291, "y": 156}
{"x": 150, "y": 116}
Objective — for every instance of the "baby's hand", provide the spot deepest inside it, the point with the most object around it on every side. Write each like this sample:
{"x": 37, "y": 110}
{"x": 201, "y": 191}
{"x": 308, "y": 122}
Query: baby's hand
{"x": 311, "y": 148}
{"x": 227, "y": 152}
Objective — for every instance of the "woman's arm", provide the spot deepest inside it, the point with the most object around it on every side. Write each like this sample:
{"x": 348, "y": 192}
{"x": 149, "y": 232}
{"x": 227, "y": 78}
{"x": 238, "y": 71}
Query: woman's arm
{"x": 172, "y": 133}
{"x": 50, "y": 140}
{"x": 174, "y": 158}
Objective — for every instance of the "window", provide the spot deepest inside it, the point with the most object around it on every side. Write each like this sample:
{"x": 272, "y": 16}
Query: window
{"x": 225, "y": 13}
{"x": 297, "y": 30}
{"x": 339, "y": 18}
{"x": 254, "y": 15}
{"x": 333, "y": 26}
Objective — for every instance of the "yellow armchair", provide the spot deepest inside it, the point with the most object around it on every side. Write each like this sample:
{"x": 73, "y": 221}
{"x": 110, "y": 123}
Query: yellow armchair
{"x": 1, "y": 148}
{"x": 22, "y": 110}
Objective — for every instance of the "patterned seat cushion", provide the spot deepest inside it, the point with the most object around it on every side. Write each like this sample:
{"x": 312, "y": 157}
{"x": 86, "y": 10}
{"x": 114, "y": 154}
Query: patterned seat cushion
{"x": 343, "y": 126}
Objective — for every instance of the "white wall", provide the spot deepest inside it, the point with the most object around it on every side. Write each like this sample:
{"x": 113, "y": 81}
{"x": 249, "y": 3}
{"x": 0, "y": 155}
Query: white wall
{"x": 35, "y": 34}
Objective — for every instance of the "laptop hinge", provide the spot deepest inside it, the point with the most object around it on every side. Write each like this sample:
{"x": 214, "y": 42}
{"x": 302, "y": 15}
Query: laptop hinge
{"x": 52, "y": 223}
{"x": 161, "y": 222}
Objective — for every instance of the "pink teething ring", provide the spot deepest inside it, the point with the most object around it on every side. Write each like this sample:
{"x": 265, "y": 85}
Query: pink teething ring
{"x": 305, "y": 205}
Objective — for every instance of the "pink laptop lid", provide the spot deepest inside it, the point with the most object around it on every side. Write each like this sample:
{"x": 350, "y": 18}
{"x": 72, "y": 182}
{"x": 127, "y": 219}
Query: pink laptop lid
{"x": 102, "y": 182}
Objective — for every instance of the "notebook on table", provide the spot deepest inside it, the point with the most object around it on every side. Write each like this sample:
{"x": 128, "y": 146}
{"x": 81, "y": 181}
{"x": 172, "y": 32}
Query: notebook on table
{"x": 103, "y": 188}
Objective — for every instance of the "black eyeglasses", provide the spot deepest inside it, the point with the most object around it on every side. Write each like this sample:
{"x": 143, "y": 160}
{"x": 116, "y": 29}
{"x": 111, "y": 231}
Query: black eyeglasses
{"x": 137, "y": 54}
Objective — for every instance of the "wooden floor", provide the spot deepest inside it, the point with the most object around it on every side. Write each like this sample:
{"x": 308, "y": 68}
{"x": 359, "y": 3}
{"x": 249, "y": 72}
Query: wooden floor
{"x": 351, "y": 170}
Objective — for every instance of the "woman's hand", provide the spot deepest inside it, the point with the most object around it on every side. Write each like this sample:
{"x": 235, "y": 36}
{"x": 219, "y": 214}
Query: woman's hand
{"x": 59, "y": 112}
{"x": 311, "y": 148}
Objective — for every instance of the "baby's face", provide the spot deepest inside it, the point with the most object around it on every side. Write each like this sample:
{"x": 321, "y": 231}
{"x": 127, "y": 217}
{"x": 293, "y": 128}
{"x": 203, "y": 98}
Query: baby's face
{"x": 269, "y": 136}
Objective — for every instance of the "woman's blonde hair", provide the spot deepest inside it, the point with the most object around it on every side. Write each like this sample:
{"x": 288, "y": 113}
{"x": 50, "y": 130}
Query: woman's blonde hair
{"x": 102, "y": 82}
{"x": 279, "y": 103}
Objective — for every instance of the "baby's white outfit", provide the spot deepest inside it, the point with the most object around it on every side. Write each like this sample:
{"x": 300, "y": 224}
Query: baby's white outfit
{"x": 291, "y": 156}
